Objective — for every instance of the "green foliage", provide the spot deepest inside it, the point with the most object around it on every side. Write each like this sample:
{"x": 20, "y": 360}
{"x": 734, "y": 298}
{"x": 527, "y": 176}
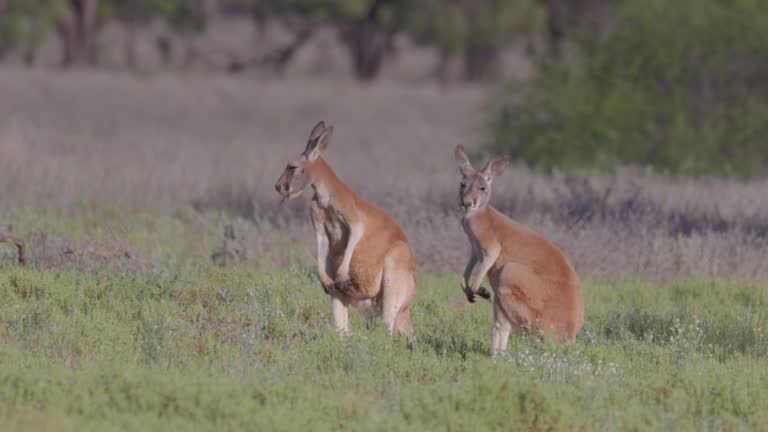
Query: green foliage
{"x": 26, "y": 22}
{"x": 476, "y": 30}
{"x": 318, "y": 11}
{"x": 203, "y": 348}
{"x": 675, "y": 85}
{"x": 456, "y": 25}
{"x": 139, "y": 10}
{"x": 182, "y": 15}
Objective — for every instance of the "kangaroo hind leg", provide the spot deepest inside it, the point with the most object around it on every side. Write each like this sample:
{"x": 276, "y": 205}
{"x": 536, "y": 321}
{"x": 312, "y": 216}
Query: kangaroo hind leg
{"x": 399, "y": 290}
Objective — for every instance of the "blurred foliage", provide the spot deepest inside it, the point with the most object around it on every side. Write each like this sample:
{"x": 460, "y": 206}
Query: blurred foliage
{"x": 23, "y": 23}
{"x": 472, "y": 30}
{"x": 181, "y": 15}
{"x": 476, "y": 31}
{"x": 675, "y": 85}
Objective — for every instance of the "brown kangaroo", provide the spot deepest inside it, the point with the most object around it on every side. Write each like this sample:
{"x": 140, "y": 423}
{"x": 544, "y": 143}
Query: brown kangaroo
{"x": 536, "y": 289}
{"x": 363, "y": 257}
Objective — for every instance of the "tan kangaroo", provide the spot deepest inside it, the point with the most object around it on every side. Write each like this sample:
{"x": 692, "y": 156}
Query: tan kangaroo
{"x": 536, "y": 289}
{"x": 363, "y": 257}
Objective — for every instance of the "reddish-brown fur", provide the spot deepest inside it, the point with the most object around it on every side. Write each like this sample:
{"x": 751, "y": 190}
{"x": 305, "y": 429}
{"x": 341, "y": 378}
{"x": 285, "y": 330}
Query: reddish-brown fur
{"x": 536, "y": 288}
{"x": 380, "y": 275}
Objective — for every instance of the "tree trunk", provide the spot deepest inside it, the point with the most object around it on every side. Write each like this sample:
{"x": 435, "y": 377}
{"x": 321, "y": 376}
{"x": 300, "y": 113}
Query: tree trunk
{"x": 131, "y": 55}
{"x": 282, "y": 57}
{"x": 555, "y": 26}
{"x": 368, "y": 48}
{"x": 79, "y": 33}
{"x": 440, "y": 71}
{"x": 260, "y": 17}
{"x": 4, "y": 48}
{"x": 480, "y": 62}
{"x": 368, "y": 44}
{"x": 30, "y": 53}
{"x": 165, "y": 49}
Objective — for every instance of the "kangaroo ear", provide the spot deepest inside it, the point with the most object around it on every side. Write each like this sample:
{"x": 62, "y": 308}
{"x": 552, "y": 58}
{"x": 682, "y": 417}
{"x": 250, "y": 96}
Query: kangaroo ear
{"x": 317, "y": 130}
{"x": 318, "y": 140}
{"x": 496, "y": 166}
{"x": 461, "y": 158}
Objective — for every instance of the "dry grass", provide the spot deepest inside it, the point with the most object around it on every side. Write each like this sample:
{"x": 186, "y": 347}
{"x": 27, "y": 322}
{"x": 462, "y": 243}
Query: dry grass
{"x": 166, "y": 143}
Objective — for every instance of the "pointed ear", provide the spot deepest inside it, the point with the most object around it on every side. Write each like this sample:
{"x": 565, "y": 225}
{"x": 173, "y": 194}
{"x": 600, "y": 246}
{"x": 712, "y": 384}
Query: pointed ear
{"x": 461, "y": 158}
{"x": 317, "y": 130}
{"x": 496, "y": 166}
{"x": 318, "y": 140}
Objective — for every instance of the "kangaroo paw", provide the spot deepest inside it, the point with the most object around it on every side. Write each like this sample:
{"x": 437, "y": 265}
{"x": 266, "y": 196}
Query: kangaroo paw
{"x": 484, "y": 293}
{"x": 342, "y": 286}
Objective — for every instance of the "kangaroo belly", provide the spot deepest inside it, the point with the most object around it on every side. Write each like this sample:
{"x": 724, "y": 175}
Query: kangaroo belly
{"x": 365, "y": 270}
{"x": 367, "y": 261}
{"x": 542, "y": 303}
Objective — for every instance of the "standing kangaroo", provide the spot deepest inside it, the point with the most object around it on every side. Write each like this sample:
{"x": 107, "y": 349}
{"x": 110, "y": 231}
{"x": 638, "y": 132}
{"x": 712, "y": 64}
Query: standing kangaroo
{"x": 536, "y": 289}
{"x": 363, "y": 257}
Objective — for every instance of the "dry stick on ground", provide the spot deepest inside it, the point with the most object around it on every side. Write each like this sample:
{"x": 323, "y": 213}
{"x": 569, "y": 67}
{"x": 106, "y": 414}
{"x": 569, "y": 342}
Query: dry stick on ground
{"x": 20, "y": 246}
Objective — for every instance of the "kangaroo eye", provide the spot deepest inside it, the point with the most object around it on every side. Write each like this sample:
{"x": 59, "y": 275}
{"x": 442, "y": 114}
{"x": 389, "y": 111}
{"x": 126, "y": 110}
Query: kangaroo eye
{"x": 482, "y": 188}
{"x": 463, "y": 185}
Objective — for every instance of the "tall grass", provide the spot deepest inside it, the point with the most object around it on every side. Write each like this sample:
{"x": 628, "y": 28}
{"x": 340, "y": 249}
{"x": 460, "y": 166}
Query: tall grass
{"x": 90, "y": 160}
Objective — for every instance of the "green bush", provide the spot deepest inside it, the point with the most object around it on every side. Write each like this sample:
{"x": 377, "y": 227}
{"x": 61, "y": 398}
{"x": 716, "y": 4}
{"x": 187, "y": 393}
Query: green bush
{"x": 677, "y": 85}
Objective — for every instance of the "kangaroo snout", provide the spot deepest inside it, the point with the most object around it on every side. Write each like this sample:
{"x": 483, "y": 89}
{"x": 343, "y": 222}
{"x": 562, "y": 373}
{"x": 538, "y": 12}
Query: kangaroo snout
{"x": 283, "y": 188}
{"x": 280, "y": 188}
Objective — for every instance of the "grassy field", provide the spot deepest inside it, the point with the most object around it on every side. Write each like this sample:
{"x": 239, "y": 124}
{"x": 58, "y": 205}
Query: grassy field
{"x": 208, "y": 349}
{"x": 138, "y": 313}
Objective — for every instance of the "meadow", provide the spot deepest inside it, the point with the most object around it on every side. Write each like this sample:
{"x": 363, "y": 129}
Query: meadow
{"x": 167, "y": 289}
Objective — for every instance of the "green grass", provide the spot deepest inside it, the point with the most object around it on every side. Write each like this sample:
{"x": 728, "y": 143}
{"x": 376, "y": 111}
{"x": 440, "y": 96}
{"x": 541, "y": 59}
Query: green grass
{"x": 202, "y": 348}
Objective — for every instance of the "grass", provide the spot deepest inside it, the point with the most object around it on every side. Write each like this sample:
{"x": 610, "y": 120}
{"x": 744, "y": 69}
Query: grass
{"x": 202, "y": 348}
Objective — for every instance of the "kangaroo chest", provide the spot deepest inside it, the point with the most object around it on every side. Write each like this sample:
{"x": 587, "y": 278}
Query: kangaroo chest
{"x": 333, "y": 223}
{"x": 365, "y": 271}
{"x": 475, "y": 228}
{"x": 470, "y": 228}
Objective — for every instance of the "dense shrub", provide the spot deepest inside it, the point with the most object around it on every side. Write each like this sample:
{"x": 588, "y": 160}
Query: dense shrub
{"x": 678, "y": 85}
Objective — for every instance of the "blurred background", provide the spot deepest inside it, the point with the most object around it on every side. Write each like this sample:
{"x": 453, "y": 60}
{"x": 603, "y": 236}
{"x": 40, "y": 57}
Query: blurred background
{"x": 638, "y": 127}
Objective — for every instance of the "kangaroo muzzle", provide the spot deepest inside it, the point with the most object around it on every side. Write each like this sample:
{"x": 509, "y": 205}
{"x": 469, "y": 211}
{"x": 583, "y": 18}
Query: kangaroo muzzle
{"x": 281, "y": 189}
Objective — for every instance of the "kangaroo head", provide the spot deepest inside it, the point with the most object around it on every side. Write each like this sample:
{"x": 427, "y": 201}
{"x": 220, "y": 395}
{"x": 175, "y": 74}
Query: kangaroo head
{"x": 475, "y": 188}
{"x": 297, "y": 175}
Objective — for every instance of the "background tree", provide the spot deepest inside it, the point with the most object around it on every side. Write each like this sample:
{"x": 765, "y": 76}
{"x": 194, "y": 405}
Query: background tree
{"x": 78, "y": 25}
{"x": 134, "y": 14}
{"x": 474, "y": 31}
{"x": 675, "y": 85}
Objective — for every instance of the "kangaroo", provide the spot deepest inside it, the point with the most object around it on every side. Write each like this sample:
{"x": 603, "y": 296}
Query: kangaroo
{"x": 536, "y": 289}
{"x": 363, "y": 257}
